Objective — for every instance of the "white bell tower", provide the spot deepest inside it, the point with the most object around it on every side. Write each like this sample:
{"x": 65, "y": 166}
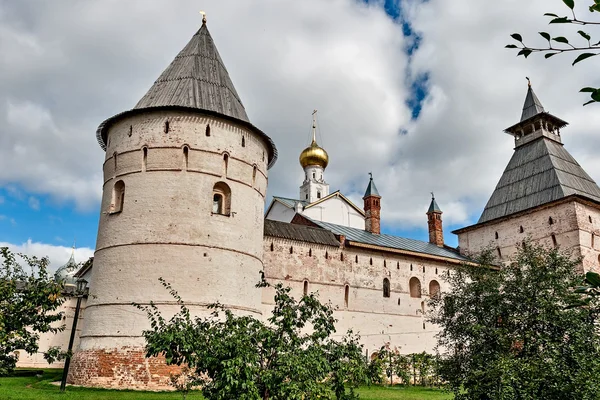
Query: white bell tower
{"x": 314, "y": 160}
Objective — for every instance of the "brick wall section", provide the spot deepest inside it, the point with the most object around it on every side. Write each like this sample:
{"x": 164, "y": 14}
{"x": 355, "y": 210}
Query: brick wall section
{"x": 436, "y": 233}
{"x": 124, "y": 368}
{"x": 372, "y": 214}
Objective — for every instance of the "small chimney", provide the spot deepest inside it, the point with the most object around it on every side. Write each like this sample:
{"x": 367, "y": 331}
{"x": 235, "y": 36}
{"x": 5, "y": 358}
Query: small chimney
{"x": 372, "y": 208}
{"x": 434, "y": 222}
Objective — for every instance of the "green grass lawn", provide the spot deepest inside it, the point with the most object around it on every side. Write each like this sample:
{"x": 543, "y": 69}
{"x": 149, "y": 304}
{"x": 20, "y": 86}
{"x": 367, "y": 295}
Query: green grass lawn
{"x": 34, "y": 388}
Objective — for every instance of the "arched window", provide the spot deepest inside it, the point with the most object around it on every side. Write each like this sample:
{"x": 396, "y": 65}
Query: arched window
{"x": 207, "y": 132}
{"x": 310, "y": 252}
{"x": 243, "y": 141}
{"x": 397, "y": 264}
{"x": 371, "y": 261}
{"x": 186, "y": 153}
{"x": 305, "y": 289}
{"x": 221, "y": 199}
{"x": 346, "y": 295}
{"x": 384, "y": 264}
{"x": 423, "y": 269}
{"x": 272, "y": 246}
{"x": 411, "y": 267}
{"x": 291, "y": 249}
{"x": 326, "y": 254}
{"x": 318, "y": 195}
{"x": 386, "y": 287}
{"x": 356, "y": 259}
{"x": 415, "y": 287}
{"x": 118, "y": 197}
{"x": 314, "y": 175}
{"x": 434, "y": 289}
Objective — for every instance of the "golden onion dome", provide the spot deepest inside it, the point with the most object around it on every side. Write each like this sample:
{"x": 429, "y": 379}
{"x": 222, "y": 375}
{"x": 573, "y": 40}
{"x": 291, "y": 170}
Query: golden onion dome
{"x": 314, "y": 155}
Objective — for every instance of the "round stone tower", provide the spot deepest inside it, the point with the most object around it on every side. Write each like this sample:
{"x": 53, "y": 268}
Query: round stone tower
{"x": 185, "y": 179}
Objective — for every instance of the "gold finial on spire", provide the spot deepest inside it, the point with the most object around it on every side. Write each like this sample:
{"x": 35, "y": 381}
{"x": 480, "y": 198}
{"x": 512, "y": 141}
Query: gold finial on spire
{"x": 528, "y": 81}
{"x": 313, "y": 154}
{"x": 203, "y": 17}
{"x": 314, "y": 127}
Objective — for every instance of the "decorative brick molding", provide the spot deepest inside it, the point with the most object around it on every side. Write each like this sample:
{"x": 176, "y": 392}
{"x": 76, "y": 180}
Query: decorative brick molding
{"x": 123, "y": 368}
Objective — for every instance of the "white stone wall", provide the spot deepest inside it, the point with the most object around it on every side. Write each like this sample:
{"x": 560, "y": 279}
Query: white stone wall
{"x": 167, "y": 228}
{"x": 570, "y": 227}
{"x": 336, "y": 211}
{"x": 398, "y": 319}
{"x": 60, "y": 339}
{"x": 279, "y": 212}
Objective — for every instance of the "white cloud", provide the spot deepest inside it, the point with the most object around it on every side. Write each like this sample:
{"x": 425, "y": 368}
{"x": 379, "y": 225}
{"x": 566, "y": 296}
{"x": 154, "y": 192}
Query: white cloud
{"x": 73, "y": 64}
{"x": 58, "y": 255}
{"x": 34, "y": 203}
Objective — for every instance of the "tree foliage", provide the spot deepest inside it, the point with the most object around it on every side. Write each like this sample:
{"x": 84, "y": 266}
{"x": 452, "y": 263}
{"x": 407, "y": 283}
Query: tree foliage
{"x": 29, "y": 298}
{"x": 291, "y": 356}
{"x": 418, "y": 368}
{"x": 585, "y": 46}
{"x": 509, "y": 333}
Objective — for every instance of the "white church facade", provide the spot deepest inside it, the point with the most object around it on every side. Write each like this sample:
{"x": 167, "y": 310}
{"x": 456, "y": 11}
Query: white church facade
{"x": 185, "y": 181}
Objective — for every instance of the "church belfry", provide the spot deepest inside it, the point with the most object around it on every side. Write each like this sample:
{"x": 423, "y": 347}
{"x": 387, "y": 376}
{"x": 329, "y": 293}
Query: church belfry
{"x": 314, "y": 160}
{"x": 535, "y": 122}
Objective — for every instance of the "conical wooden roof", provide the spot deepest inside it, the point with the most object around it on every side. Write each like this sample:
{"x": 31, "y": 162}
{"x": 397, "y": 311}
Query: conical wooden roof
{"x": 196, "y": 78}
{"x": 539, "y": 172}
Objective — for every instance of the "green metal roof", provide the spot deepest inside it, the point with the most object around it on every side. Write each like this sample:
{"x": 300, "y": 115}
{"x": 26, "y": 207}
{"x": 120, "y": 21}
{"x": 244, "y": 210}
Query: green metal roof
{"x": 371, "y": 189}
{"x": 433, "y": 207}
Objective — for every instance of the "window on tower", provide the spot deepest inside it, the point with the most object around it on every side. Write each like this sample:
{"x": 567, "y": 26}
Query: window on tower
{"x": 318, "y": 195}
{"x": 118, "y": 198}
{"x": 221, "y": 199}
{"x": 314, "y": 175}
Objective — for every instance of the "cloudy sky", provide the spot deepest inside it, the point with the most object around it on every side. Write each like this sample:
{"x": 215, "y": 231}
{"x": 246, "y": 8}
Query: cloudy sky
{"x": 418, "y": 92}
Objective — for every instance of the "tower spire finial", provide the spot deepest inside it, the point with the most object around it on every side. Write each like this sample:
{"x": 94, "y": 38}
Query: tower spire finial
{"x": 432, "y": 196}
{"x": 203, "y": 17}
{"x": 314, "y": 127}
{"x": 528, "y": 81}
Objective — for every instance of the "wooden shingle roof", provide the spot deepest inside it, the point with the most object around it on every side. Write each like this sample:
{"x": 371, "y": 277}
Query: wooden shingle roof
{"x": 539, "y": 172}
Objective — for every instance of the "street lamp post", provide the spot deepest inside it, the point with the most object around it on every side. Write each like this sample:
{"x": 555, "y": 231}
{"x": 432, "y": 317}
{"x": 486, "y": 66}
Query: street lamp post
{"x": 81, "y": 285}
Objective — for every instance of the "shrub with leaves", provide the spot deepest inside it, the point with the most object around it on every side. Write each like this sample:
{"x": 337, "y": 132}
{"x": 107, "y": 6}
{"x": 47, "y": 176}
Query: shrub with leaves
{"x": 291, "y": 356}
{"x": 509, "y": 333}
{"x": 584, "y": 46}
{"x": 29, "y": 298}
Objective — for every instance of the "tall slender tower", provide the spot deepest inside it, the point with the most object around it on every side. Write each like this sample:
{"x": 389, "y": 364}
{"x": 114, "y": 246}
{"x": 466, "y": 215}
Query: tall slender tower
{"x": 434, "y": 223}
{"x": 372, "y": 207}
{"x": 314, "y": 160}
{"x": 185, "y": 179}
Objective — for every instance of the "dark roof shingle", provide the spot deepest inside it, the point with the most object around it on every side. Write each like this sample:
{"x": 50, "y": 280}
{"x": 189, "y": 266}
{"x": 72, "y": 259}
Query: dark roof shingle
{"x": 539, "y": 172}
{"x": 302, "y": 233}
